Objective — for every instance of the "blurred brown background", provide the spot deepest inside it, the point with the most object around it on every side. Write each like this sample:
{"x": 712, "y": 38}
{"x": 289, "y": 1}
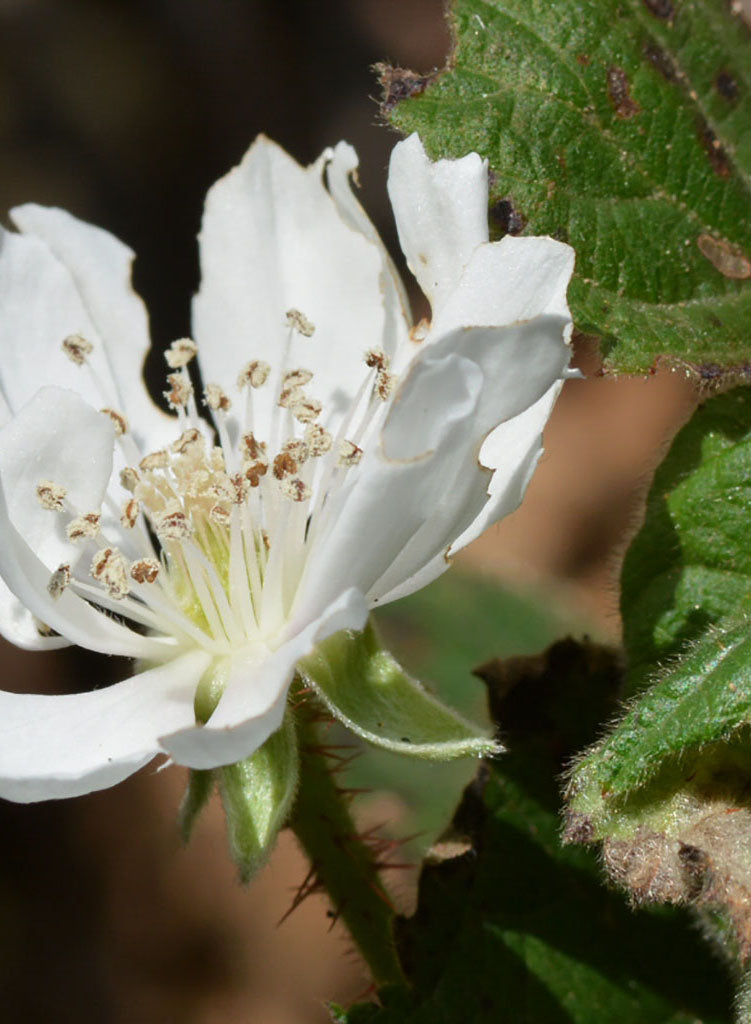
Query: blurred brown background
{"x": 124, "y": 113}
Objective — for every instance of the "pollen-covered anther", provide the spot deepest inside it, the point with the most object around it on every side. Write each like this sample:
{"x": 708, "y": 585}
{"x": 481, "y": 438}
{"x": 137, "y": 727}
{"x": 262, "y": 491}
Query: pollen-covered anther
{"x": 296, "y": 379}
{"x": 172, "y": 523}
{"x": 51, "y": 495}
{"x": 376, "y": 359}
{"x": 300, "y": 323}
{"x": 59, "y": 580}
{"x": 241, "y": 486}
{"x": 220, "y": 514}
{"x": 215, "y": 398}
{"x": 145, "y": 570}
{"x": 120, "y": 422}
{"x": 349, "y": 453}
{"x": 318, "y": 439}
{"x": 129, "y": 478}
{"x": 255, "y": 471}
{"x": 84, "y": 527}
{"x": 384, "y": 384}
{"x": 284, "y": 465}
{"x": 109, "y": 568}
{"x": 295, "y": 488}
{"x": 298, "y": 449}
{"x": 180, "y": 390}
{"x": 307, "y": 410}
{"x": 180, "y": 353}
{"x": 253, "y": 449}
{"x": 154, "y": 460}
{"x": 77, "y": 348}
{"x": 187, "y": 440}
{"x": 290, "y": 397}
{"x": 129, "y": 514}
{"x": 254, "y": 374}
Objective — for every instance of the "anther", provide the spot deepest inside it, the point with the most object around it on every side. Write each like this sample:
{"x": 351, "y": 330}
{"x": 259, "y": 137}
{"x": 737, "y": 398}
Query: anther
{"x": 121, "y": 424}
{"x": 376, "y": 359}
{"x": 253, "y": 449}
{"x": 307, "y": 410}
{"x": 108, "y": 567}
{"x": 284, "y": 465}
{"x": 145, "y": 570}
{"x": 298, "y": 449}
{"x": 154, "y": 460}
{"x": 384, "y": 384}
{"x": 300, "y": 323}
{"x": 349, "y": 453}
{"x": 84, "y": 527}
{"x": 219, "y": 514}
{"x": 59, "y": 580}
{"x": 51, "y": 495}
{"x": 293, "y": 487}
{"x": 129, "y": 478}
{"x": 216, "y": 399}
{"x": 318, "y": 439}
{"x": 172, "y": 523}
{"x": 254, "y": 374}
{"x": 186, "y": 441}
{"x": 296, "y": 379}
{"x": 180, "y": 390}
{"x": 77, "y": 348}
{"x": 241, "y": 486}
{"x": 180, "y": 353}
{"x": 129, "y": 515}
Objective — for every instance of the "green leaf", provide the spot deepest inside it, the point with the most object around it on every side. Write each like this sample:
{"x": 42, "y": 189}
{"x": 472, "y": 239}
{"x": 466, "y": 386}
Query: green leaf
{"x": 510, "y": 925}
{"x": 258, "y": 795}
{"x": 690, "y": 565}
{"x": 621, "y": 128}
{"x": 364, "y": 687}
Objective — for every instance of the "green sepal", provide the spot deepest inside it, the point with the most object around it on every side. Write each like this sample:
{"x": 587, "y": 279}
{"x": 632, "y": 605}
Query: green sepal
{"x": 197, "y": 795}
{"x": 258, "y": 794}
{"x": 364, "y": 686}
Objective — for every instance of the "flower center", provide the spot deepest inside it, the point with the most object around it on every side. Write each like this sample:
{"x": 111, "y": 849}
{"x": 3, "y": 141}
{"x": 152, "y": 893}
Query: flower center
{"x": 212, "y": 540}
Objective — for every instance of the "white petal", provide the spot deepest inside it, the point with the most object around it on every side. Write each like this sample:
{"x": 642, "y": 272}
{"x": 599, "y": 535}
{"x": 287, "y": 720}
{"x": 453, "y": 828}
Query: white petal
{"x": 341, "y": 166}
{"x": 508, "y": 281}
{"x": 58, "y": 437}
{"x": 253, "y": 704}
{"x": 27, "y": 577}
{"x": 99, "y": 267}
{"x": 272, "y": 240}
{"x": 19, "y": 626}
{"x": 426, "y": 485}
{"x": 441, "y": 212}
{"x": 54, "y": 747}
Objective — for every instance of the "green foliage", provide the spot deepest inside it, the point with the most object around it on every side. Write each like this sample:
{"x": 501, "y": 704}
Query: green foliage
{"x": 621, "y": 128}
{"x": 257, "y": 795}
{"x": 365, "y": 688}
{"x": 513, "y": 927}
{"x": 690, "y": 564}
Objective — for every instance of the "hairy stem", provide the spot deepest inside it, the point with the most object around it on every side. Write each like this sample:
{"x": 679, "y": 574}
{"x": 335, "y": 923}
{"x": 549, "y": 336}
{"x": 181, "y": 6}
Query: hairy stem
{"x": 341, "y": 861}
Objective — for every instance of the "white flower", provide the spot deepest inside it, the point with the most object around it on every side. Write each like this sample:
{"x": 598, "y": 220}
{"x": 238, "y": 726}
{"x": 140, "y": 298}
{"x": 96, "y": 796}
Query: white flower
{"x": 354, "y": 454}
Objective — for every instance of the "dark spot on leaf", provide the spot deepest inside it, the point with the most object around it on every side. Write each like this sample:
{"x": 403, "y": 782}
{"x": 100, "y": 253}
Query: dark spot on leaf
{"x": 729, "y": 259}
{"x": 400, "y": 84}
{"x": 660, "y": 8}
{"x": 713, "y": 148}
{"x": 620, "y": 96}
{"x": 506, "y": 218}
{"x": 662, "y": 61}
{"x": 727, "y": 86}
{"x": 583, "y": 59}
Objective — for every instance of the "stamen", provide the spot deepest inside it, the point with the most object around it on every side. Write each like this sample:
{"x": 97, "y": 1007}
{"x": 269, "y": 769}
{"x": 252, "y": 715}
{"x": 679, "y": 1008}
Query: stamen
{"x": 181, "y": 390}
{"x": 180, "y": 353}
{"x": 155, "y": 460}
{"x": 84, "y": 527}
{"x": 216, "y": 399}
{"x": 384, "y": 384}
{"x": 296, "y": 379}
{"x": 318, "y": 439}
{"x": 376, "y": 359}
{"x": 121, "y": 424}
{"x": 145, "y": 570}
{"x": 186, "y": 441}
{"x": 307, "y": 409}
{"x": 254, "y": 374}
{"x": 129, "y": 478}
{"x": 77, "y": 348}
{"x": 298, "y": 449}
{"x": 172, "y": 523}
{"x": 295, "y": 488}
{"x": 108, "y": 567}
{"x": 59, "y": 580}
{"x": 220, "y": 515}
{"x": 284, "y": 465}
{"x": 51, "y": 495}
{"x": 349, "y": 453}
{"x": 129, "y": 516}
{"x": 300, "y": 323}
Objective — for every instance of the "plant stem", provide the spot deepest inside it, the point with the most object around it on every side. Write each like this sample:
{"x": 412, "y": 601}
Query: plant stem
{"x": 342, "y": 862}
